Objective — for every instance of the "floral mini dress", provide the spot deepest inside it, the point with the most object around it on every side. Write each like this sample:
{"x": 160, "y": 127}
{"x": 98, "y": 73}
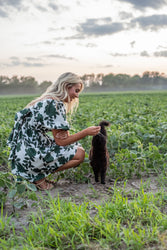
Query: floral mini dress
{"x": 34, "y": 154}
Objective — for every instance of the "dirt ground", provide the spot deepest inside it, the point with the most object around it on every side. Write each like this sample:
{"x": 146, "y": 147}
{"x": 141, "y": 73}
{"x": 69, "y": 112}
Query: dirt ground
{"x": 94, "y": 192}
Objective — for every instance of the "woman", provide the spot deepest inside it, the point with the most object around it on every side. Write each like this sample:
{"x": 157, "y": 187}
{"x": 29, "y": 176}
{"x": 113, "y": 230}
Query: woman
{"x": 34, "y": 155}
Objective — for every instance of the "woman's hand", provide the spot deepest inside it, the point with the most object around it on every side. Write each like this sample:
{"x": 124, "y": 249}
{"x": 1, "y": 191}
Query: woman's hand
{"x": 94, "y": 130}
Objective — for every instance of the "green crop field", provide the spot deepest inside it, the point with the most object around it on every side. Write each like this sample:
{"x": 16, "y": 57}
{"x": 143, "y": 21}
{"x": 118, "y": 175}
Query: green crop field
{"x": 137, "y": 144}
{"x": 137, "y": 137}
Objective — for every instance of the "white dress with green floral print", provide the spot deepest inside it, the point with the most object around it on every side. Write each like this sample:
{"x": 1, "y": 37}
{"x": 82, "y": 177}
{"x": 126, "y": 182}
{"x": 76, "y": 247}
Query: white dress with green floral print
{"x": 34, "y": 154}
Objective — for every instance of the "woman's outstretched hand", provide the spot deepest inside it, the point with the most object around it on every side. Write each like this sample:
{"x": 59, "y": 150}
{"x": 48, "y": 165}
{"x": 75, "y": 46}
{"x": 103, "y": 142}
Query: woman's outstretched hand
{"x": 94, "y": 130}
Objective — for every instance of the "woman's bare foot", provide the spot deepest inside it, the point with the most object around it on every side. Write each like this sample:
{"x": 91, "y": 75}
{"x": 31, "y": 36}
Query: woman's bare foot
{"x": 44, "y": 184}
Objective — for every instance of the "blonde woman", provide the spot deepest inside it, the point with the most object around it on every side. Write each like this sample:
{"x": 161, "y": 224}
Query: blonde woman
{"x": 34, "y": 155}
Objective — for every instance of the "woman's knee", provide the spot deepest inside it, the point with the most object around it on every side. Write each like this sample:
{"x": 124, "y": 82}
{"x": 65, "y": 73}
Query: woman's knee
{"x": 80, "y": 155}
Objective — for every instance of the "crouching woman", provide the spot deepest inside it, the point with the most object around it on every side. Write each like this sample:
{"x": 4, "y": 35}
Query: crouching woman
{"x": 34, "y": 155}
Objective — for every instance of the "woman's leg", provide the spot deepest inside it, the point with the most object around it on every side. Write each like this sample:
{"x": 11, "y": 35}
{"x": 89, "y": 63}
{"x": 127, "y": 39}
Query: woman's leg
{"x": 76, "y": 160}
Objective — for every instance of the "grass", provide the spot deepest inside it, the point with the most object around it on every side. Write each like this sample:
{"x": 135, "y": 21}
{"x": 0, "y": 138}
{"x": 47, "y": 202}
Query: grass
{"x": 119, "y": 223}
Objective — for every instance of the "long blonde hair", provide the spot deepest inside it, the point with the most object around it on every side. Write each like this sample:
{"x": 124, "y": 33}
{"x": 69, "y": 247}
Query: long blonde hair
{"x": 58, "y": 91}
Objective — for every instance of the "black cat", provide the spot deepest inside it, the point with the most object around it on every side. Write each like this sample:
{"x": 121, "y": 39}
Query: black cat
{"x": 98, "y": 155}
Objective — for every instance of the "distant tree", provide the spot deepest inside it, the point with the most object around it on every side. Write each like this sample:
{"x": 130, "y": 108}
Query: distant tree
{"x": 122, "y": 80}
{"x": 99, "y": 78}
{"x": 4, "y": 84}
{"x": 108, "y": 80}
{"x": 44, "y": 85}
{"x": 14, "y": 82}
{"x": 135, "y": 82}
{"x": 135, "y": 78}
{"x": 84, "y": 77}
{"x": 155, "y": 74}
{"x": 88, "y": 79}
{"x": 28, "y": 85}
{"x": 28, "y": 82}
{"x": 4, "y": 80}
{"x": 146, "y": 75}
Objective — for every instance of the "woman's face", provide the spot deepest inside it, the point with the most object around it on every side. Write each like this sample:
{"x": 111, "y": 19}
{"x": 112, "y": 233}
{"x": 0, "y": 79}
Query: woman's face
{"x": 74, "y": 91}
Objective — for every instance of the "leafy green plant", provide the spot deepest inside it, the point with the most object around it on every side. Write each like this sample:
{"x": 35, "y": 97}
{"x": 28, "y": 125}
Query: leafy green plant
{"x": 19, "y": 193}
{"x": 5, "y": 184}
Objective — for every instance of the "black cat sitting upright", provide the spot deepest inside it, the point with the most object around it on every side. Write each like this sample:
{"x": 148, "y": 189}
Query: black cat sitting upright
{"x": 98, "y": 155}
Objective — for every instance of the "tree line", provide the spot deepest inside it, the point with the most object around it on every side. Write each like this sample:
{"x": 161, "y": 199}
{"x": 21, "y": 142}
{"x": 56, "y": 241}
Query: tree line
{"x": 99, "y": 82}
{"x": 122, "y": 82}
{"x": 22, "y": 85}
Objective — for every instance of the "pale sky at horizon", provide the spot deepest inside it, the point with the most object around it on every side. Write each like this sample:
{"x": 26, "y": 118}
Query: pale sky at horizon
{"x": 45, "y": 38}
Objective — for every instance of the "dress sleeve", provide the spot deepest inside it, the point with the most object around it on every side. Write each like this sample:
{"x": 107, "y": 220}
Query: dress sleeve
{"x": 51, "y": 114}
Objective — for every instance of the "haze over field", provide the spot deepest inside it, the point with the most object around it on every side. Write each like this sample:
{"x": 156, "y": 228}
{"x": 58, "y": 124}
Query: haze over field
{"x": 46, "y": 38}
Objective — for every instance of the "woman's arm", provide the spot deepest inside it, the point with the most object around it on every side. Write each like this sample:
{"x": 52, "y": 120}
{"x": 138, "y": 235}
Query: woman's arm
{"x": 61, "y": 134}
{"x": 69, "y": 139}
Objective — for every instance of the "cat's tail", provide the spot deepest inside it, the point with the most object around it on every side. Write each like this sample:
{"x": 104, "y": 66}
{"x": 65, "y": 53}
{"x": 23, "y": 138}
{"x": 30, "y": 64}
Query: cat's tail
{"x": 104, "y": 124}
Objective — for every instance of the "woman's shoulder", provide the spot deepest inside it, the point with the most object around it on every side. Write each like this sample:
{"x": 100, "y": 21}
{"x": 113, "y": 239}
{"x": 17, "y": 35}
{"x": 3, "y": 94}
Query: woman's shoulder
{"x": 48, "y": 101}
{"x": 49, "y": 104}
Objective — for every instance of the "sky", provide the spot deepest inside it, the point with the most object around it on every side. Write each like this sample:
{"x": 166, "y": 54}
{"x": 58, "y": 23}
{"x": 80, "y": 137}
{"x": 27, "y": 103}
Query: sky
{"x": 45, "y": 38}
